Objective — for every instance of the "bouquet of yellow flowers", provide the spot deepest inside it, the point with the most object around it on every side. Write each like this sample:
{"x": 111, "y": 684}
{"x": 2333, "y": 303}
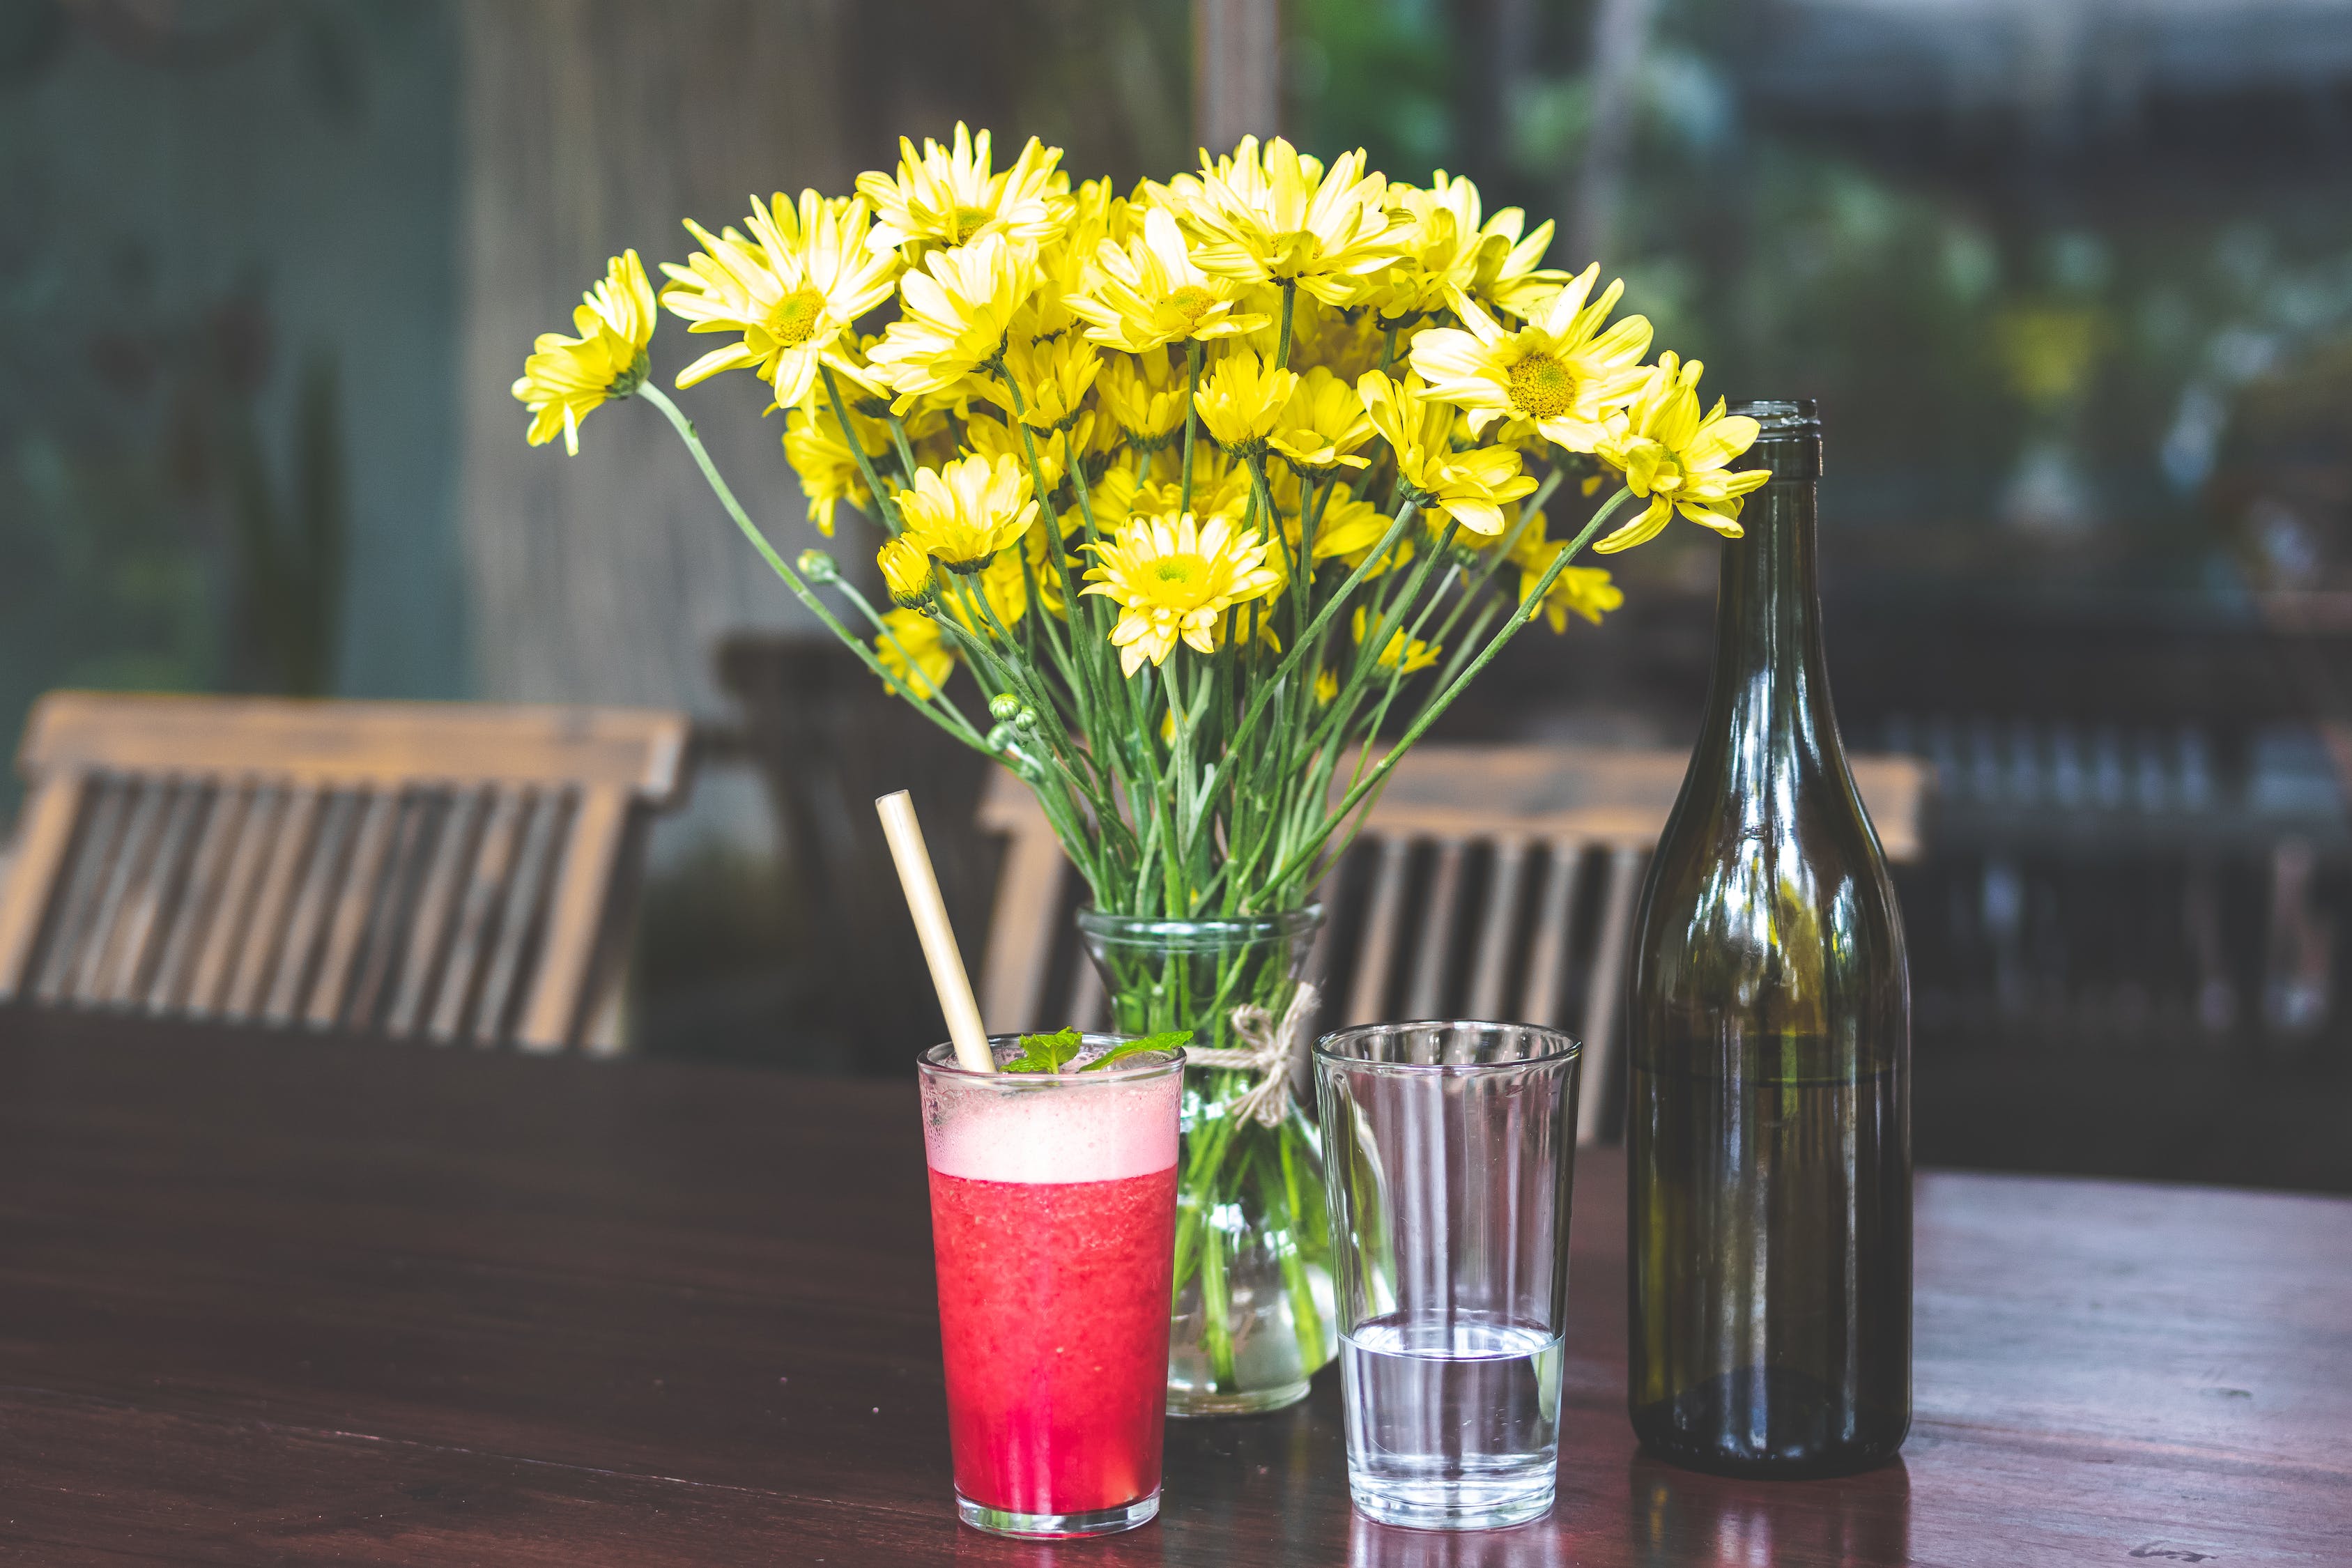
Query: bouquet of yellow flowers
{"x": 1212, "y": 489}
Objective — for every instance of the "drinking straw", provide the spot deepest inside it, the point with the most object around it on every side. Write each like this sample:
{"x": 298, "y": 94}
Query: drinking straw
{"x": 930, "y": 911}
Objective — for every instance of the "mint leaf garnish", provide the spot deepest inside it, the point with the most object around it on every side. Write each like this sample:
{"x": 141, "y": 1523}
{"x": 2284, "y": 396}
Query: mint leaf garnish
{"x": 1167, "y": 1042}
{"x": 1046, "y": 1052}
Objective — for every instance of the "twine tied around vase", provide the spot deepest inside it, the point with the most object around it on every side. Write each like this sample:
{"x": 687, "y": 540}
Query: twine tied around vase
{"x": 1270, "y": 1048}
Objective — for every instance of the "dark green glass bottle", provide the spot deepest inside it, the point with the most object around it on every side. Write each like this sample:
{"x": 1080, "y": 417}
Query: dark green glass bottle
{"x": 1768, "y": 1139}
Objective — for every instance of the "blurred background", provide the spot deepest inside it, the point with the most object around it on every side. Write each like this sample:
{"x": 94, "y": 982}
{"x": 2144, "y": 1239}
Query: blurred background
{"x": 2072, "y": 280}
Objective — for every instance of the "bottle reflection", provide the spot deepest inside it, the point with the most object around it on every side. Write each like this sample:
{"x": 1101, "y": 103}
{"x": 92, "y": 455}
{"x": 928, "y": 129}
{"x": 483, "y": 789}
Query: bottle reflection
{"x": 1682, "y": 1517}
{"x": 1537, "y": 1545}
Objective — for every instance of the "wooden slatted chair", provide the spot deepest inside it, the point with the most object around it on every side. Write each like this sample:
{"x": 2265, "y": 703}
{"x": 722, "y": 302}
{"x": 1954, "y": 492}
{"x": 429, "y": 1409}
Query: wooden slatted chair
{"x": 1488, "y": 882}
{"x": 451, "y": 870}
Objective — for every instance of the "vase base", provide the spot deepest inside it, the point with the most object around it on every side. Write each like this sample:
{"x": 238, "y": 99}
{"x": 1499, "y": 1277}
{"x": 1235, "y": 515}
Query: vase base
{"x": 1195, "y": 1402}
{"x": 1058, "y": 1526}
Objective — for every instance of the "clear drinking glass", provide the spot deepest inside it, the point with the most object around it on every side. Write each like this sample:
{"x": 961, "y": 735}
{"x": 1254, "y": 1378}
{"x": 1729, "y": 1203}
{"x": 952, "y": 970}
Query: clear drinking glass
{"x": 1054, "y": 1225}
{"x": 1449, "y": 1150}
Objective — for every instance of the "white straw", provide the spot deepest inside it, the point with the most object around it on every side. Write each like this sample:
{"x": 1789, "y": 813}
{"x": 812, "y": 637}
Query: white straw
{"x": 930, "y": 911}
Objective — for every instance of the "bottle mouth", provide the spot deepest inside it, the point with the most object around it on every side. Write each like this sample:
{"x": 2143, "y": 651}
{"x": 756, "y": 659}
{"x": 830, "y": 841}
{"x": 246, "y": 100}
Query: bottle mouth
{"x": 1783, "y": 418}
{"x": 1788, "y": 436}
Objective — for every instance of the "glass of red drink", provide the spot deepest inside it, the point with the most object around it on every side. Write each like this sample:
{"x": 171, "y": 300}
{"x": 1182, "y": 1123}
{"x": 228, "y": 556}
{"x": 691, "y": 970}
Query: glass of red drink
{"x": 1054, "y": 1225}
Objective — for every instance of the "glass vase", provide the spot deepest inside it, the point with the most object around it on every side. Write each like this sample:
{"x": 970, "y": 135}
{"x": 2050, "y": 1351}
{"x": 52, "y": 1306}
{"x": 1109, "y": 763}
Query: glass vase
{"x": 1253, "y": 1312}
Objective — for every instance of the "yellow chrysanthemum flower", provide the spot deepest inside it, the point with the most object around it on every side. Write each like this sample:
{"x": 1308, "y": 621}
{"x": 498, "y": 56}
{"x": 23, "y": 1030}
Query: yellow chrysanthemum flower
{"x": 999, "y": 584}
{"x": 948, "y": 197}
{"x": 1173, "y": 577}
{"x": 1278, "y": 217}
{"x": 1675, "y": 458}
{"x": 907, "y": 573}
{"x": 959, "y": 307}
{"x": 1413, "y": 653}
{"x": 564, "y": 378}
{"x": 1449, "y": 254}
{"x": 1468, "y": 487}
{"x": 1148, "y": 293}
{"x": 1144, "y": 396}
{"x": 967, "y": 511}
{"x": 1054, "y": 375}
{"x": 1327, "y": 687}
{"x": 1584, "y": 591}
{"x": 1560, "y": 373}
{"x": 999, "y": 441}
{"x": 1349, "y": 529}
{"x": 791, "y": 289}
{"x": 1241, "y": 399}
{"x": 1321, "y": 424}
{"x": 912, "y": 647}
{"x": 1347, "y": 342}
{"x": 1347, "y": 532}
{"x": 1221, "y": 487}
{"x": 820, "y": 454}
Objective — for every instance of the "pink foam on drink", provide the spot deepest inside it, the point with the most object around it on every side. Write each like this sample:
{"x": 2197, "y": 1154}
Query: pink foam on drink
{"x": 1092, "y": 1134}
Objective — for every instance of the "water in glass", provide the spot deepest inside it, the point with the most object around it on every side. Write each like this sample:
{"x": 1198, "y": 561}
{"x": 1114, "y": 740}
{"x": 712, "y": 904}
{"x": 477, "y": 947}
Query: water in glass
{"x": 1451, "y": 1420}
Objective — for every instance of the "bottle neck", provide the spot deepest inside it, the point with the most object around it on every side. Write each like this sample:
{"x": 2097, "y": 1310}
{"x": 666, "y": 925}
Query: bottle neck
{"x": 1769, "y": 692}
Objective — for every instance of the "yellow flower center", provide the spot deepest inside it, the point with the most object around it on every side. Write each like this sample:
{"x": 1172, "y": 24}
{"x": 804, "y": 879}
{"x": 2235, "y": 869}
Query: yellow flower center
{"x": 1191, "y": 302}
{"x": 1178, "y": 569}
{"x": 792, "y": 320}
{"x": 1541, "y": 386}
{"x": 967, "y": 221}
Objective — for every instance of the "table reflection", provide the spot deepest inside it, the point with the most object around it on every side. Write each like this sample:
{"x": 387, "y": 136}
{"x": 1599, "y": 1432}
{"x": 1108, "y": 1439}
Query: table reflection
{"x": 1679, "y": 1517}
{"x": 1536, "y": 1545}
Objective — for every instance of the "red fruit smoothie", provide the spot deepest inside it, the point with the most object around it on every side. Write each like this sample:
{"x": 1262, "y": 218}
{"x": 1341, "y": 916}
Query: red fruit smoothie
{"x": 1053, "y": 1223}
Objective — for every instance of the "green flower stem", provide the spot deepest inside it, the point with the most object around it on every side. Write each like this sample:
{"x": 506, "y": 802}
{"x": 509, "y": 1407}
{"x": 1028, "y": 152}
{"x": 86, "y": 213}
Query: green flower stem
{"x": 944, "y": 714}
{"x": 1289, "y": 304}
{"x": 882, "y": 502}
{"x": 1291, "y": 658}
{"x": 1192, "y": 418}
{"x": 1378, "y": 775}
{"x": 906, "y": 451}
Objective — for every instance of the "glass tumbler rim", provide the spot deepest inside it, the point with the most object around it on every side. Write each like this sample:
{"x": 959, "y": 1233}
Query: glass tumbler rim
{"x": 1204, "y": 930}
{"x": 1567, "y": 1048}
{"x": 939, "y": 1062}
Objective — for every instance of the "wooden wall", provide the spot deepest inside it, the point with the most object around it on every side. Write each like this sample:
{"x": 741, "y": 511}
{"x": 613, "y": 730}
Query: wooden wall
{"x": 589, "y": 126}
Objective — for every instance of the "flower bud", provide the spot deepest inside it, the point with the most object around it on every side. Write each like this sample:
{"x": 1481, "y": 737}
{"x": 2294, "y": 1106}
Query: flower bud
{"x": 817, "y": 566}
{"x": 907, "y": 573}
{"x": 1005, "y": 705}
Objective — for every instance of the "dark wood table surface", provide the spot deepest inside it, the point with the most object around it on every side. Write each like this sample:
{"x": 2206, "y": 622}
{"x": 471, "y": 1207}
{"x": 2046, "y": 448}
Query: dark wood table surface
{"x": 269, "y": 1299}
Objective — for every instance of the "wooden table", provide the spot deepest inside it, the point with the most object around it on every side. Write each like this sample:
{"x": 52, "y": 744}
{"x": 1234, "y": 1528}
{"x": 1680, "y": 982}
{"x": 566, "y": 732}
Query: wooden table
{"x": 289, "y": 1299}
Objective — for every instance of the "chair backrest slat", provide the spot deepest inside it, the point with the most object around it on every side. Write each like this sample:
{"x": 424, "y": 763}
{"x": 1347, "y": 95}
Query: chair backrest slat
{"x": 457, "y": 869}
{"x": 435, "y": 917}
{"x": 1441, "y": 919}
{"x": 218, "y": 825}
{"x": 264, "y": 933}
{"x": 93, "y": 859}
{"x": 485, "y": 889}
{"x": 390, "y": 912}
{"x": 1547, "y": 952}
{"x": 1375, "y": 968}
{"x": 226, "y": 923}
{"x": 353, "y": 901}
{"x": 306, "y": 917}
{"x": 520, "y": 918}
{"x": 1494, "y": 942}
{"x": 141, "y": 920}
{"x": 575, "y": 916}
{"x": 141, "y": 826}
{"x": 1427, "y": 999}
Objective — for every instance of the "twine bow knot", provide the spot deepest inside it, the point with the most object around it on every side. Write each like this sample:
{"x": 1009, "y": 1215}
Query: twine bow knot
{"x": 1268, "y": 1049}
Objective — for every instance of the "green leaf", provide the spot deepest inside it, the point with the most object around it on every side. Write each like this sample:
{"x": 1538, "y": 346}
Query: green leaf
{"x": 1046, "y": 1052}
{"x": 1167, "y": 1042}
